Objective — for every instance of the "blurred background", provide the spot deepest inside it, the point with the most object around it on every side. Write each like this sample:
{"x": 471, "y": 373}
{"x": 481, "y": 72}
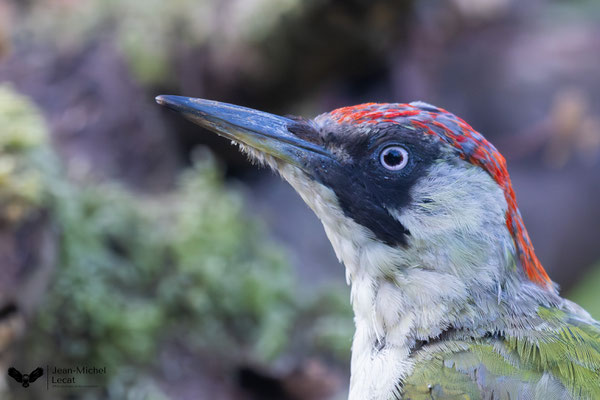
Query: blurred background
{"x": 132, "y": 240}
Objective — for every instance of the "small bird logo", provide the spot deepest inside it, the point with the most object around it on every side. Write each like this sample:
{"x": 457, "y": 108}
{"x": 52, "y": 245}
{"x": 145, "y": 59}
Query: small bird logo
{"x": 25, "y": 379}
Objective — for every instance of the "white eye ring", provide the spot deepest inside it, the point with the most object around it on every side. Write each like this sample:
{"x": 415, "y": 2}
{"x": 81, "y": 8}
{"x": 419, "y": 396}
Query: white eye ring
{"x": 394, "y": 158}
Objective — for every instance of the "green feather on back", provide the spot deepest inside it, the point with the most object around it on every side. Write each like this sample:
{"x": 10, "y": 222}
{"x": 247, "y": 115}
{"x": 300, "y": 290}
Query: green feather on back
{"x": 561, "y": 360}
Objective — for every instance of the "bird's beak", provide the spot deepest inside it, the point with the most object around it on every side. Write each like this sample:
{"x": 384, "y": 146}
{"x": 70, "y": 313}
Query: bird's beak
{"x": 262, "y": 131}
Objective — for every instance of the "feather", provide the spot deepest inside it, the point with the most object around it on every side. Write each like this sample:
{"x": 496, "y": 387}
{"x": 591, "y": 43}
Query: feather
{"x": 562, "y": 363}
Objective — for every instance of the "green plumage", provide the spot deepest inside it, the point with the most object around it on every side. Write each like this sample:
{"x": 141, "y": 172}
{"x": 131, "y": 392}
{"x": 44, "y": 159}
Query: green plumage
{"x": 558, "y": 360}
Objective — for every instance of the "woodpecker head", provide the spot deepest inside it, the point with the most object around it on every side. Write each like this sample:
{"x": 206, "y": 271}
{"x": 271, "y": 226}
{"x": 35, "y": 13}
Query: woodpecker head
{"x": 397, "y": 186}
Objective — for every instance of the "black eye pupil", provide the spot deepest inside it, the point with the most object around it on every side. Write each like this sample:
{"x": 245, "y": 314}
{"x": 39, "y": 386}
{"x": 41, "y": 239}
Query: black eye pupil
{"x": 393, "y": 157}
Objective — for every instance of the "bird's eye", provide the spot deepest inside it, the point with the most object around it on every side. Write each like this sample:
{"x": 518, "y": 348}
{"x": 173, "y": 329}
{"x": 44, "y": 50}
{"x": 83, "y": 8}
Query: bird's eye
{"x": 394, "y": 158}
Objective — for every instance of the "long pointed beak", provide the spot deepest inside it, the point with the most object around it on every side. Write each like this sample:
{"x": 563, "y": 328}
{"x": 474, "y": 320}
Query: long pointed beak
{"x": 262, "y": 131}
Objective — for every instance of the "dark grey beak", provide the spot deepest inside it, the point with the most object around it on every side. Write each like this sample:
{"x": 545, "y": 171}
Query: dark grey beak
{"x": 262, "y": 131}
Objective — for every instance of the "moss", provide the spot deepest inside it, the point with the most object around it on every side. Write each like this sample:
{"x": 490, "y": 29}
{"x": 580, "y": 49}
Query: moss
{"x": 22, "y": 136}
{"x": 137, "y": 272}
{"x": 189, "y": 264}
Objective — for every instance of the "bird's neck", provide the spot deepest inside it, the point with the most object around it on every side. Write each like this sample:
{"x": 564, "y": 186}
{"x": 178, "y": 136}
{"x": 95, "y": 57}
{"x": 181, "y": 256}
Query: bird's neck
{"x": 444, "y": 279}
{"x": 406, "y": 298}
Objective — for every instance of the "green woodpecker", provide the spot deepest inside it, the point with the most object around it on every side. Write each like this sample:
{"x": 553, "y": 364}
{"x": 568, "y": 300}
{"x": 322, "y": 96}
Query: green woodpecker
{"x": 450, "y": 300}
